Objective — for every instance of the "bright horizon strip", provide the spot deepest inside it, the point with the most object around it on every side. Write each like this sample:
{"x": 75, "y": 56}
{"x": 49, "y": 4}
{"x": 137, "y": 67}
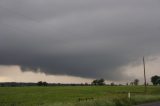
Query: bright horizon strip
{"x": 14, "y": 74}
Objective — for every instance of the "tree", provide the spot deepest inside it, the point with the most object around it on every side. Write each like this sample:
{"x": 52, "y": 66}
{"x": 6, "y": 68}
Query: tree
{"x": 101, "y": 82}
{"x": 95, "y": 82}
{"x": 112, "y": 84}
{"x": 40, "y": 83}
{"x": 136, "y": 82}
{"x": 98, "y": 82}
{"x": 45, "y": 83}
{"x": 155, "y": 80}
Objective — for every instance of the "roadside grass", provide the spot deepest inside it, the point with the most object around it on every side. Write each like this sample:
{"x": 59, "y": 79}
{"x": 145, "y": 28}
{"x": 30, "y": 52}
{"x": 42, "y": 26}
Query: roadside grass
{"x": 138, "y": 99}
{"x": 69, "y": 95}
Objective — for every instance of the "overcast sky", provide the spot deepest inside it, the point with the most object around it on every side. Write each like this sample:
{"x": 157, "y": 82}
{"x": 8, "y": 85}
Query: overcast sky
{"x": 83, "y": 39}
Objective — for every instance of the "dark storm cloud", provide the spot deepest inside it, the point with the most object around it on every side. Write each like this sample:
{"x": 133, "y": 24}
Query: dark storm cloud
{"x": 86, "y": 38}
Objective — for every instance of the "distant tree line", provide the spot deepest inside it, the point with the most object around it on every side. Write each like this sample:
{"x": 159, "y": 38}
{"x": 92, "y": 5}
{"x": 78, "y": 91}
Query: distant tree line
{"x": 39, "y": 83}
{"x": 15, "y": 84}
{"x": 98, "y": 82}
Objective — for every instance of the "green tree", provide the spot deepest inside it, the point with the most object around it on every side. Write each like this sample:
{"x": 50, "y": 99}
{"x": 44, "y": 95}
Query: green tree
{"x": 45, "y": 83}
{"x": 98, "y": 82}
{"x": 101, "y": 81}
{"x": 95, "y": 82}
{"x": 136, "y": 82}
{"x": 155, "y": 80}
{"x": 40, "y": 83}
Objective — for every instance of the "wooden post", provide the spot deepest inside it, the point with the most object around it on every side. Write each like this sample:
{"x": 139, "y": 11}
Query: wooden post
{"x": 145, "y": 83}
{"x": 129, "y": 95}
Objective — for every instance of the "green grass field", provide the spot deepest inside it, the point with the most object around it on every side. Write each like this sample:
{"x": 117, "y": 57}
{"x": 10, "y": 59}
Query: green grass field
{"x": 69, "y": 95}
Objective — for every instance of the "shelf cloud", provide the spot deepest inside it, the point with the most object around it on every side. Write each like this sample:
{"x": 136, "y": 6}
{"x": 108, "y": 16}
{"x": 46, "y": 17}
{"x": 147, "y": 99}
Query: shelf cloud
{"x": 85, "y": 38}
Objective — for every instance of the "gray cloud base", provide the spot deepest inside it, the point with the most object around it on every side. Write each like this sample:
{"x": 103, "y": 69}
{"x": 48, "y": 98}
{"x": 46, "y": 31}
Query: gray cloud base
{"x": 86, "y": 38}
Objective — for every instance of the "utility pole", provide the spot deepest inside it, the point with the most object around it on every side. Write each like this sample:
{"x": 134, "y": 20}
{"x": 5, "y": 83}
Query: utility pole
{"x": 145, "y": 83}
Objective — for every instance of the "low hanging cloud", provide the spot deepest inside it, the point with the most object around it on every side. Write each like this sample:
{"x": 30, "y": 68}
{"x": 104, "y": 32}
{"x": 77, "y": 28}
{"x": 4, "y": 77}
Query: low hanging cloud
{"x": 86, "y": 38}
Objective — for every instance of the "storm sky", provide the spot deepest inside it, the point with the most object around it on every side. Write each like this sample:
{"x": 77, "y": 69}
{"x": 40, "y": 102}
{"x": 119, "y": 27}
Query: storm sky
{"x": 79, "y": 38}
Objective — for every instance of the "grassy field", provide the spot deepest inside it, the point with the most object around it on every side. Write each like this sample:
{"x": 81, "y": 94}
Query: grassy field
{"x": 70, "y": 95}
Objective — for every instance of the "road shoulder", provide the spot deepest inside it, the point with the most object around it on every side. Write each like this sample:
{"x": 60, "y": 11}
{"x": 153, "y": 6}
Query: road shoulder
{"x": 150, "y": 104}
